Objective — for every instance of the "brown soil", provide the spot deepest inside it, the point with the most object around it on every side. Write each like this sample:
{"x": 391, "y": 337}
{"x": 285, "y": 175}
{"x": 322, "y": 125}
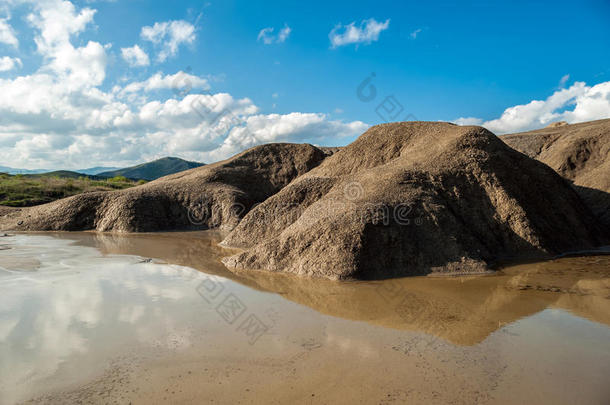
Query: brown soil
{"x": 413, "y": 199}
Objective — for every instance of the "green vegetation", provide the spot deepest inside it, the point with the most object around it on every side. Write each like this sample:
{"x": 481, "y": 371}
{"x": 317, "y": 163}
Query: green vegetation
{"x": 34, "y": 189}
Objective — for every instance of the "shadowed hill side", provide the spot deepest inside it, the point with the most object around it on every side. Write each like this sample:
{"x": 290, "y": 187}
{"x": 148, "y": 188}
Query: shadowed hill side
{"x": 412, "y": 199}
{"x": 216, "y": 195}
{"x": 578, "y": 152}
{"x": 153, "y": 170}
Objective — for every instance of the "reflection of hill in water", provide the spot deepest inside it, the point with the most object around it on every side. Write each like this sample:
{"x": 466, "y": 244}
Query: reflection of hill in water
{"x": 462, "y": 310}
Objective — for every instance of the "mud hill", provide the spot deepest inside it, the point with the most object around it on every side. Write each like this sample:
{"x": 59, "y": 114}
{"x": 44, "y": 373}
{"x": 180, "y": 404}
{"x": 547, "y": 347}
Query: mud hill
{"x": 210, "y": 196}
{"x": 578, "y": 152}
{"x": 412, "y": 199}
{"x": 403, "y": 199}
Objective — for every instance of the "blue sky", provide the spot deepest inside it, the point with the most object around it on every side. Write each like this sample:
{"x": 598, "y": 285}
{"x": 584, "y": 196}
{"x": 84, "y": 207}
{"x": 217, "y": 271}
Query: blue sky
{"x": 285, "y": 71}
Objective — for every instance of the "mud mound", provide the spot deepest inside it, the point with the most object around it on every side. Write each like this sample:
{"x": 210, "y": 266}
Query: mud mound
{"x": 580, "y": 153}
{"x": 216, "y": 195}
{"x": 412, "y": 199}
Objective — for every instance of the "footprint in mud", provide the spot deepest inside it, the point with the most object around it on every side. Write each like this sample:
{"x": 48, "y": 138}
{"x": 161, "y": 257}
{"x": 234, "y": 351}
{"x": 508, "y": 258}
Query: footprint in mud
{"x": 396, "y": 396}
{"x": 311, "y": 344}
{"x": 19, "y": 264}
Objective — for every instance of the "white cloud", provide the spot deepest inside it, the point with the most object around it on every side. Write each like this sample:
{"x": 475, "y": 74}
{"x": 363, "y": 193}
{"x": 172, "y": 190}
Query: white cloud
{"x": 7, "y": 63}
{"x": 7, "y": 34}
{"x": 267, "y": 37}
{"x": 564, "y": 79}
{"x": 57, "y": 21}
{"x": 592, "y": 104}
{"x": 367, "y": 32}
{"x": 468, "y": 121}
{"x": 415, "y": 33}
{"x": 59, "y": 116}
{"x": 181, "y": 83}
{"x": 169, "y": 35}
{"x": 578, "y": 103}
{"x": 135, "y": 56}
{"x": 82, "y": 65}
{"x": 293, "y": 127}
{"x": 284, "y": 34}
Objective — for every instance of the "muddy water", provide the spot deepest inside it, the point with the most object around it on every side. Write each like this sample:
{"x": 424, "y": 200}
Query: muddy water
{"x": 157, "y": 319}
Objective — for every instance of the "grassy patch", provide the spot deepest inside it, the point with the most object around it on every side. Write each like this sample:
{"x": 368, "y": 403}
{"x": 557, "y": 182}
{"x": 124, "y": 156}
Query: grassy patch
{"x": 27, "y": 190}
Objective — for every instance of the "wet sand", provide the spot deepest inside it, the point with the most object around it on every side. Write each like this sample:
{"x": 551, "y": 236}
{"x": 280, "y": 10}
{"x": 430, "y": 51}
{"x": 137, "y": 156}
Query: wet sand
{"x": 157, "y": 319}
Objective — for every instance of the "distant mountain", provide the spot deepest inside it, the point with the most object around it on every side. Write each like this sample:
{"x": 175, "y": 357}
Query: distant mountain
{"x": 90, "y": 171}
{"x": 96, "y": 170}
{"x": 64, "y": 174}
{"x": 10, "y": 170}
{"x": 153, "y": 170}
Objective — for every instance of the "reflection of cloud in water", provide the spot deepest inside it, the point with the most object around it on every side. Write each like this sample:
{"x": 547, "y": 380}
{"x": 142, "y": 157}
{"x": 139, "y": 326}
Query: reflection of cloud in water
{"x": 131, "y": 315}
{"x": 80, "y": 307}
{"x": 78, "y": 300}
{"x": 362, "y": 348}
{"x": 6, "y": 326}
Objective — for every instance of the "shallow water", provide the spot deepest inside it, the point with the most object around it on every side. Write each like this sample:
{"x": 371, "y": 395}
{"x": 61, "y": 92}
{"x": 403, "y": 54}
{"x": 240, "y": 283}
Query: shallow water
{"x": 156, "y": 318}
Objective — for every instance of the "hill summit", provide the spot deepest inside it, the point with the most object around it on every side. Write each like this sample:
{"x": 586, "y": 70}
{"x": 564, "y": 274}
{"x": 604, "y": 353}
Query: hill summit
{"x": 413, "y": 199}
{"x": 153, "y": 170}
